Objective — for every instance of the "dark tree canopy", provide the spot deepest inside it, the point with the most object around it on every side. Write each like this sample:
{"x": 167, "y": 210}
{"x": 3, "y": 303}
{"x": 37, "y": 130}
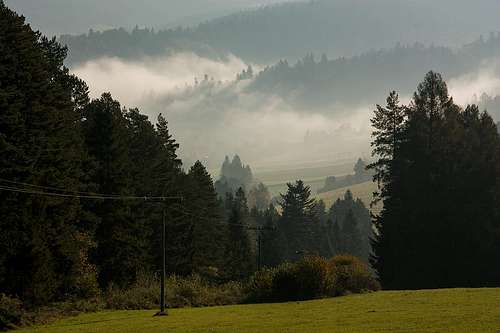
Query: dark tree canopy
{"x": 437, "y": 170}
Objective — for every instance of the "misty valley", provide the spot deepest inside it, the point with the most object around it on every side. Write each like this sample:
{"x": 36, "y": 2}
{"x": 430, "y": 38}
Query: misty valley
{"x": 311, "y": 166}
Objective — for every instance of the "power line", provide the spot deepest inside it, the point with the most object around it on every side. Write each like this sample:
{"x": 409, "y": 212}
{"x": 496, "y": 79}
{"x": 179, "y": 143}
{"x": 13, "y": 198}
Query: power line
{"x": 53, "y": 188}
{"x": 96, "y": 196}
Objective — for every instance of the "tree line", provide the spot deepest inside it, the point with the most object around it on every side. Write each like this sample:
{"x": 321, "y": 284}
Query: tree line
{"x": 75, "y": 183}
{"x": 331, "y": 31}
{"x": 316, "y": 81}
{"x": 72, "y": 176}
{"x": 75, "y": 174}
{"x": 438, "y": 170}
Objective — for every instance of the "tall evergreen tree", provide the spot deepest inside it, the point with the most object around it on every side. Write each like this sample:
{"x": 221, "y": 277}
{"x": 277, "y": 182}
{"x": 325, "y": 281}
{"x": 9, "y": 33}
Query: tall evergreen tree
{"x": 344, "y": 234}
{"x": 297, "y": 219}
{"x": 273, "y": 246}
{"x": 351, "y": 241}
{"x": 209, "y": 237}
{"x": 240, "y": 259}
{"x": 108, "y": 138}
{"x": 438, "y": 224}
{"x": 43, "y": 245}
{"x": 168, "y": 142}
{"x": 233, "y": 175}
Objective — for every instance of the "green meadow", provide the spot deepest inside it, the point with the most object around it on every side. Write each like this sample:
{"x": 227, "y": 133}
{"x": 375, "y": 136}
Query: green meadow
{"x": 447, "y": 310}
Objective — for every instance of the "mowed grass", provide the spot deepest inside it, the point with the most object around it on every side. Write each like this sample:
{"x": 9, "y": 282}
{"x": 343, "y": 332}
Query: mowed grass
{"x": 449, "y": 310}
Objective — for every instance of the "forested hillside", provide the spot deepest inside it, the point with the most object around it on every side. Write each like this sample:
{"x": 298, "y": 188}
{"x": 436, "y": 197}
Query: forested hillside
{"x": 289, "y": 30}
{"x": 96, "y": 199}
{"x": 86, "y": 183}
{"x": 318, "y": 82}
{"x": 54, "y": 17}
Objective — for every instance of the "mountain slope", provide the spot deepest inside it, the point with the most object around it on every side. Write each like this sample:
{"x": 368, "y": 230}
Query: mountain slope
{"x": 289, "y": 30}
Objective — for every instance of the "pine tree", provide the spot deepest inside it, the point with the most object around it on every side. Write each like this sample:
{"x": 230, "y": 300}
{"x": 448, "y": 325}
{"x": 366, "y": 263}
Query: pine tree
{"x": 351, "y": 237}
{"x": 297, "y": 219}
{"x": 360, "y": 173}
{"x": 388, "y": 124}
{"x": 388, "y": 136}
{"x": 273, "y": 246}
{"x": 118, "y": 234}
{"x": 43, "y": 245}
{"x": 438, "y": 224}
{"x": 209, "y": 238}
{"x": 233, "y": 175}
{"x": 240, "y": 259}
{"x": 168, "y": 142}
{"x": 339, "y": 215}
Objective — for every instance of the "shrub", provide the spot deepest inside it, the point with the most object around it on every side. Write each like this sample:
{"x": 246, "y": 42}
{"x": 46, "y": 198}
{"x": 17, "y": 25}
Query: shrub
{"x": 310, "y": 278}
{"x": 196, "y": 291}
{"x": 143, "y": 294}
{"x": 11, "y": 312}
{"x": 260, "y": 286}
{"x": 351, "y": 276}
{"x": 306, "y": 279}
{"x": 286, "y": 285}
{"x": 314, "y": 277}
{"x": 180, "y": 292}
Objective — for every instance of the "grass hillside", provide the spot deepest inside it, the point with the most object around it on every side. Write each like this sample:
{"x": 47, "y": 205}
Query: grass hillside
{"x": 313, "y": 174}
{"x": 363, "y": 191}
{"x": 451, "y": 310}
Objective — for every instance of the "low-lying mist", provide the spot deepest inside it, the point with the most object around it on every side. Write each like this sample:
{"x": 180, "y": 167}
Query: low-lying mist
{"x": 212, "y": 114}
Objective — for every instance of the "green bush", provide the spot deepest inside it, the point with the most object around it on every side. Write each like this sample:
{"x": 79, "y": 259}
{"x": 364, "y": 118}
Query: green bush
{"x": 351, "y": 275}
{"x": 286, "y": 284}
{"x": 314, "y": 277}
{"x": 311, "y": 277}
{"x": 11, "y": 312}
{"x": 307, "y": 279}
{"x": 260, "y": 286}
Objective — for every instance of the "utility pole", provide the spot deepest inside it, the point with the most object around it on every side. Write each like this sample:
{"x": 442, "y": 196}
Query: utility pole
{"x": 259, "y": 262}
{"x": 163, "y": 310}
{"x": 259, "y": 231}
{"x": 163, "y": 264}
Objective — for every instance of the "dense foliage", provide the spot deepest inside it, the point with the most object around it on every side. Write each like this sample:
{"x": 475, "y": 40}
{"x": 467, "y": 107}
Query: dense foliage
{"x": 85, "y": 185}
{"x": 305, "y": 227}
{"x": 80, "y": 188}
{"x": 438, "y": 171}
{"x": 311, "y": 277}
{"x": 74, "y": 179}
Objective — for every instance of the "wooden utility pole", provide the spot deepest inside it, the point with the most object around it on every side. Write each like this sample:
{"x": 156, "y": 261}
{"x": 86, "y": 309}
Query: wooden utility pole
{"x": 259, "y": 231}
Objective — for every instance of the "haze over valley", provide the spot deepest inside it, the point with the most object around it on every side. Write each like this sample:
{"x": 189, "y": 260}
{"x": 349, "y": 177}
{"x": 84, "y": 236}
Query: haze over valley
{"x": 317, "y": 90}
{"x": 281, "y": 165}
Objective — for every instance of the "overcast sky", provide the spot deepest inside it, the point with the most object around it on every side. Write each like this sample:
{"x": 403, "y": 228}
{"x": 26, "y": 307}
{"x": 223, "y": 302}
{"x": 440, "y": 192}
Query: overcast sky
{"x": 54, "y": 17}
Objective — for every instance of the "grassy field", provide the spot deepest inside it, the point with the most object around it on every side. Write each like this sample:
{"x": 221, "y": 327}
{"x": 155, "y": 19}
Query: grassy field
{"x": 363, "y": 191}
{"x": 313, "y": 175}
{"x": 451, "y": 310}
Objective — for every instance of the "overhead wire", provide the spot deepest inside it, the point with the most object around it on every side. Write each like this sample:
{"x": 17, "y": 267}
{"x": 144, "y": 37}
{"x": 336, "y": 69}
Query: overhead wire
{"x": 80, "y": 195}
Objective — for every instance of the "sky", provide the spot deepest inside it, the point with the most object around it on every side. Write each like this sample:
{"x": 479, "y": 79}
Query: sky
{"x": 55, "y": 17}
